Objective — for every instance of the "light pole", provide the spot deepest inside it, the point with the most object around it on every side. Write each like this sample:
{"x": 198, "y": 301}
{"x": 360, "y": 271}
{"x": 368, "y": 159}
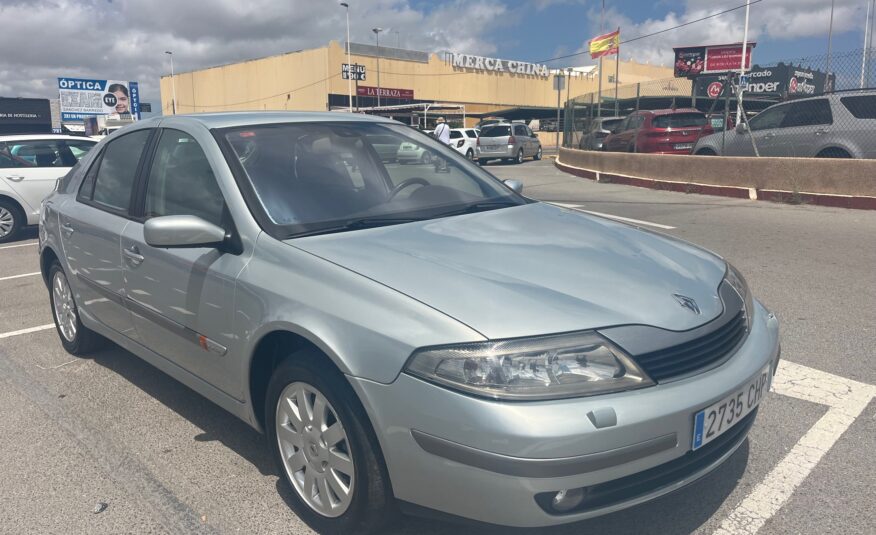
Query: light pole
{"x": 829, "y": 39}
{"x": 377, "y": 33}
{"x": 172, "y": 82}
{"x": 349, "y": 62}
{"x": 739, "y": 92}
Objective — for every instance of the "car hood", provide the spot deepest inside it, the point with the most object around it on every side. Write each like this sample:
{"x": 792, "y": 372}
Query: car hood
{"x": 534, "y": 269}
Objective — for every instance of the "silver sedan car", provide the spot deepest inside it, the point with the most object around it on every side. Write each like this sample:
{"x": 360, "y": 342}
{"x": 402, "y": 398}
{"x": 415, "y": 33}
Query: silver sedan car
{"x": 407, "y": 337}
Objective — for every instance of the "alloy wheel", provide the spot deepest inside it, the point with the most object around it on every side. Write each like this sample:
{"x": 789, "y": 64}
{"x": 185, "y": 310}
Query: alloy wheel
{"x": 65, "y": 308}
{"x": 7, "y": 222}
{"x": 315, "y": 450}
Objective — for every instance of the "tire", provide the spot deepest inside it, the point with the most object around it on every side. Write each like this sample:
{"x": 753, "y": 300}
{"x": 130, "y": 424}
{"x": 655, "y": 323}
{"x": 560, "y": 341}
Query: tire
{"x": 369, "y": 506}
{"x": 469, "y": 154}
{"x": 519, "y": 159}
{"x": 482, "y": 161}
{"x": 76, "y": 338}
{"x": 12, "y": 219}
{"x": 426, "y": 158}
{"x": 833, "y": 153}
{"x": 537, "y": 156}
{"x": 706, "y": 152}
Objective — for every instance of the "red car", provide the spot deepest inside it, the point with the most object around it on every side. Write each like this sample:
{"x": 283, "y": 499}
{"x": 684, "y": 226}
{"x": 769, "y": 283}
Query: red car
{"x": 659, "y": 132}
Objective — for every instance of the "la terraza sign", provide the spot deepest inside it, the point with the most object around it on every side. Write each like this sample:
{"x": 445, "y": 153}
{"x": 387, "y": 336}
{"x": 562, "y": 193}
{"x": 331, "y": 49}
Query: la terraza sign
{"x": 466, "y": 61}
{"x": 385, "y": 92}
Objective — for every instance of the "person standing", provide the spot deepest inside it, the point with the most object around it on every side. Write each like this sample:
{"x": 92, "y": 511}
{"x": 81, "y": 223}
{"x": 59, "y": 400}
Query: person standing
{"x": 442, "y": 133}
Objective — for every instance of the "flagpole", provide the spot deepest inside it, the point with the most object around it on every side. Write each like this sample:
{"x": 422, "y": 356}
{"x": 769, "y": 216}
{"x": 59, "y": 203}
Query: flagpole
{"x": 617, "y": 74}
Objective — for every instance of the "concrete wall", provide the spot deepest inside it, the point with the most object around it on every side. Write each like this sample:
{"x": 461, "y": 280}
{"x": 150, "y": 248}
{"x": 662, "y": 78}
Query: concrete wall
{"x": 802, "y": 175}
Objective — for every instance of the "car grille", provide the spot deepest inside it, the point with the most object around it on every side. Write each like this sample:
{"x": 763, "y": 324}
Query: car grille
{"x": 694, "y": 355}
{"x": 653, "y": 479}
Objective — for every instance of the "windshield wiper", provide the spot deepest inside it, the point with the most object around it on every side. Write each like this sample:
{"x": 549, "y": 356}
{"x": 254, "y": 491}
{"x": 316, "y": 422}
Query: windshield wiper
{"x": 357, "y": 224}
{"x": 478, "y": 207}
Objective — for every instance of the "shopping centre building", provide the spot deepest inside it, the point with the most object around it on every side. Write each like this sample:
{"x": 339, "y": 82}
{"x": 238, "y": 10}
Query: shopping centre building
{"x": 414, "y": 86}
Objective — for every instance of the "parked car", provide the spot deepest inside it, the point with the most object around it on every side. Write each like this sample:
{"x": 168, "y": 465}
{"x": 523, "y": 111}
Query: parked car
{"x": 413, "y": 153}
{"x": 386, "y": 147}
{"x": 599, "y": 129}
{"x": 659, "y": 131}
{"x": 29, "y": 167}
{"x": 464, "y": 141}
{"x": 434, "y": 339}
{"x": 837, "y": 125}
{"x": 509, "y": 142}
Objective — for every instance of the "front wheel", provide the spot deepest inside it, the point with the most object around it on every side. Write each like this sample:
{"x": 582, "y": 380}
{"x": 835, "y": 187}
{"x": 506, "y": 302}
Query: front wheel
{"x": 76, "y": 338}
{"x": 482, "y": 161}
{"x": 537, "y": 155}
{"x": 326, "y": 450}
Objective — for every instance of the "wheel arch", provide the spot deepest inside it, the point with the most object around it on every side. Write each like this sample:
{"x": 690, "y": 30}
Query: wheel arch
{"x": 48, "y": 256}
{"x": 4, "y": 196}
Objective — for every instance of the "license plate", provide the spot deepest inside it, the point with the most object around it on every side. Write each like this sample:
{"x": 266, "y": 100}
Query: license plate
{"x": 683, "y": 146}
{"x": 715, "y": 420}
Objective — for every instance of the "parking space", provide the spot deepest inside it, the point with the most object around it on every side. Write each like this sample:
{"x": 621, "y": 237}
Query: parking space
{"x": 113, "y": 430}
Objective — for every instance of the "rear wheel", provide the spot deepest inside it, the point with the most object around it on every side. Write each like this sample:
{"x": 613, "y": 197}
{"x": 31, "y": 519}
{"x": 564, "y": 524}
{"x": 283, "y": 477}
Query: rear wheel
{"x": 469, "y": 154}
{"x": 537, "y": 155}
{"x": 326, "y": 450}
{"x": 75, "y": 337}
{"x": 519, "y": 158}
{"x": 482, "y": 161}
{"x": 706, "y": 152}
{"x": 833, "y": 153}
{"x": 11, "y": 220}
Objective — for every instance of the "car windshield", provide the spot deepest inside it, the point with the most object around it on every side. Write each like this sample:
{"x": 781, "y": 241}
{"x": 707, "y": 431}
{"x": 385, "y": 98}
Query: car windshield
{"x": 314, "y": 178}
{"x": 611, "y": 123}
{"x": 496, "y": 131}
{"x": 679, "y": 120}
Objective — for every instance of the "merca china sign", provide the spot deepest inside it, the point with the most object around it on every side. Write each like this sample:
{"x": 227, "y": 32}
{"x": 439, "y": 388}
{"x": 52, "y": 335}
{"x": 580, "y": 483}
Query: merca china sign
{"x": 466, "y": 61}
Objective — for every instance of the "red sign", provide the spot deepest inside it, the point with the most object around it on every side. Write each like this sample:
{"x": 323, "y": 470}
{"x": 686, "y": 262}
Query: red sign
{"x": 714, "y": 89}
{"x": 385, "y": 92}
{"x": 726, "y": 58}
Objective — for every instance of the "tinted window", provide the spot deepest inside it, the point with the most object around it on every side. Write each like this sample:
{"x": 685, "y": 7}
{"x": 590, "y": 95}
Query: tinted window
{"x": 323, "y": 177}
{"x": 496, "y": 131}
{"x": 679, "y": 120}
{"x": 181, "y": 181}
{"x": 8, "y": 161}
{"x": 519, "y": 130}
{"x": 608, "y": 125}
{"x": 471, "y": 133}
{"x": 808, "y": 113}
{"x": 769, "y": 118}
{"x": 43, "y": 153}
{"x": 456, "y": 134}
{"x": 117, "y": 170}
{"x": 79, "y": 148}
{"x": 862, "y": 106}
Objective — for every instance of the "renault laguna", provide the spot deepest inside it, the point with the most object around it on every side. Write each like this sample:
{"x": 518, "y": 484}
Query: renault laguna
{"x": 418, "y": 338}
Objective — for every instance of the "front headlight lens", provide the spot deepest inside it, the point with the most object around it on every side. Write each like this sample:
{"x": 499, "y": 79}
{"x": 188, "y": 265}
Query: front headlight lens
{"x": 548, "y": 367}
{"x": 735, "y": 279}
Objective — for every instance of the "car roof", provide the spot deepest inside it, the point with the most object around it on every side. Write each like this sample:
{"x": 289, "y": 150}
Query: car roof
{"x": 247, "y": 118}
{"x": 32, "y": 137}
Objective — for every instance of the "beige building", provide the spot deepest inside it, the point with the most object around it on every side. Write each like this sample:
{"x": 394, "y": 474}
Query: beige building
{"x": 312, "y": 80}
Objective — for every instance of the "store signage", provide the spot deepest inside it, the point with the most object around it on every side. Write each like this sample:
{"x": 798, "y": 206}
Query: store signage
{"x": 87, "y": 98}
{"x": 691, "y": 61}
{"x": 777, "y": 81}
{"x": 467, "y": 61}
{"x": 385, "y": 92}
{"x": 357, "y": 72}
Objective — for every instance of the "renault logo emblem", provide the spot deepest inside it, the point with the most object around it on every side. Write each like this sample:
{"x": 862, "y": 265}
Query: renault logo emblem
{"x": 687, "y": 303}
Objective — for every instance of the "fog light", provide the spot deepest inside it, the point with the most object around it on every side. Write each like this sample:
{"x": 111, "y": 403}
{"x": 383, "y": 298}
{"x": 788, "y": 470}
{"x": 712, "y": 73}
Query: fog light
{"x": 567, "y": 499}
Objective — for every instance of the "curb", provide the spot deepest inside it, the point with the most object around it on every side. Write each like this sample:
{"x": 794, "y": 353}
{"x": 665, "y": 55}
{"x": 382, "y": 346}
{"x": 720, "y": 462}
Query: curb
{"x": 738, "y": 192}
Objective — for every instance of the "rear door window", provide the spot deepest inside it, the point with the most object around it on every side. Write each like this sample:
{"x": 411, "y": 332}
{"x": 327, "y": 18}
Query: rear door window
{"x": 679, "y": 120}
{"x": 519, "y": 130}
{"x": 861, "y": 106}
{"x": 43, "y": 153}
{"x": 456, "y": 134}
{"x": 117, "y": 170}
{"x": 471, "y": 133}
{"x": 496, "y": 131}
{"x": 808, "y": 113}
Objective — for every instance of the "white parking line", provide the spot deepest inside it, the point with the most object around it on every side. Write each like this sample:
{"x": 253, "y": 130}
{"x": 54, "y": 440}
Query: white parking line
{"x": 615, "y": 217}
{"x": 847, "y": 399}
{"x": 10, "y": 277}
{"x": 27, "y": 331}
{"x": 29, "y": 244}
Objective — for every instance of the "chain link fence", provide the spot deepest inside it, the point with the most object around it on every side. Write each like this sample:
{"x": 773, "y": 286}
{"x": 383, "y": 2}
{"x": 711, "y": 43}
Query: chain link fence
{"x": 805, "y": 107}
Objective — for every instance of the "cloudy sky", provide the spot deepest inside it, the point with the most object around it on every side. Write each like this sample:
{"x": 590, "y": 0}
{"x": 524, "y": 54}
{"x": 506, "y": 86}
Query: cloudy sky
{"x": 126, "y": 39}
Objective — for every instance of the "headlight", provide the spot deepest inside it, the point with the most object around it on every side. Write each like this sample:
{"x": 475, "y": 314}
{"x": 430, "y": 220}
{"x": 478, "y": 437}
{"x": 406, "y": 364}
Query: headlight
{"x": 735, "y": 279}
{"x": 548, "y": 367}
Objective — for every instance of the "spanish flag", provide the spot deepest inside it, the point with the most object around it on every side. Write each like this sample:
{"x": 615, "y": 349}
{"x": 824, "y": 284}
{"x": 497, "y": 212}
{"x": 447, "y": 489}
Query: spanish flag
{"x": 605, "y": 45}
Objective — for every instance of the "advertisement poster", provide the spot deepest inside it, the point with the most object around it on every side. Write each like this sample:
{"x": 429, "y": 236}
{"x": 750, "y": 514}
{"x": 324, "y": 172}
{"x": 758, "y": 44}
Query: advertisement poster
{"x": 82, "y": 98}
{"x": 726, "y": 58}
{"x": 689, "y": 61}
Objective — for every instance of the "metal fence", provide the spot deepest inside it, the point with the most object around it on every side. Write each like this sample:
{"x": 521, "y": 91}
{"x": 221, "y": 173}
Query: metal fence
{"x": 818, "y": 107}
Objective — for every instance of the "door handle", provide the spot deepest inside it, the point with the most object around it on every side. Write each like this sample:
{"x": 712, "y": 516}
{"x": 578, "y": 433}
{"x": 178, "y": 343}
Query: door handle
{"x": 769, "y": 136}
{"x": 15, "y": 178}
{"x": 133, "y": 255}
{"x": 820, "y": 131}
{"x": 67, "y": 228}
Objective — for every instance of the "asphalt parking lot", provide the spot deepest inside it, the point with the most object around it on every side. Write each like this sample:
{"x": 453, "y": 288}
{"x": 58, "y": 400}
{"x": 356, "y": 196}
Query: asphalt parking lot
{"x": 114, "y": 435}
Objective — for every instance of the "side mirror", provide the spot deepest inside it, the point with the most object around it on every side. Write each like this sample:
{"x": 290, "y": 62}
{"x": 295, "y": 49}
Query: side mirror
{"x": 178, "y": 231}
{"x": 741, "y": 128}
{"x": 515, "y": 185}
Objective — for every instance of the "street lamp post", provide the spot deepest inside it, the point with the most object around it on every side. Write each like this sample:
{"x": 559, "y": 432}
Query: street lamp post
{"x": 349, "y": 62}
{"x": 172, "y": 82}
{"x": 377, "y": 33}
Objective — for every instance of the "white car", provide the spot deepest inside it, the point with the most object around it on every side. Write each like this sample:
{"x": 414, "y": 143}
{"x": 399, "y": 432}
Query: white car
{"x": 464, "y": 141}
{"x": 29, "y": 167}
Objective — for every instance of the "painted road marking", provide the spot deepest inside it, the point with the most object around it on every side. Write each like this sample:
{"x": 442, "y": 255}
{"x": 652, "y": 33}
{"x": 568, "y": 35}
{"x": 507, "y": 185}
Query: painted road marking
{"x": 846, "y": 398}
{"x": 10, "y": 277}
{"x": 34, "y": 243}
{"x": 615, "y": 217}
{"x": 27, "y": 331}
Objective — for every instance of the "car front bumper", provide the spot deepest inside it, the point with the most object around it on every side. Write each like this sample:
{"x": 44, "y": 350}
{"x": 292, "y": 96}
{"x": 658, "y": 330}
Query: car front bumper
{"x": 487, "y": 461}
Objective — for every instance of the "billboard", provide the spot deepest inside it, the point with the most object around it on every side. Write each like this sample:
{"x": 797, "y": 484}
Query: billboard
{"x": 778, "y": 81}
{"x": 25, "y": 116}
{"x": 691, "y": 61}
{"x": 82, "y": 98}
